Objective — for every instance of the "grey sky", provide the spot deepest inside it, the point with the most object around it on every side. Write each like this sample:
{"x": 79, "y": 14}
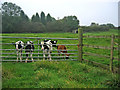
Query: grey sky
{"x": 87, "y": 11}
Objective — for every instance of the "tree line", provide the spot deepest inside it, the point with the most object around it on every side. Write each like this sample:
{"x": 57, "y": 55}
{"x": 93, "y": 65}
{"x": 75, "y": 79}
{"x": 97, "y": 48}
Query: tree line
{"x": 95, "y": 27}
{"x": 14, "y": 20}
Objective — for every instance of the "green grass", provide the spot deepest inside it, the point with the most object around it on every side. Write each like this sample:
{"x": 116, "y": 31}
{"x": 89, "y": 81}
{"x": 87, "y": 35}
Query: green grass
{"x": 44, "y": 74}
{"x": 64, "y": 74}
{"x": 112, "y": 31}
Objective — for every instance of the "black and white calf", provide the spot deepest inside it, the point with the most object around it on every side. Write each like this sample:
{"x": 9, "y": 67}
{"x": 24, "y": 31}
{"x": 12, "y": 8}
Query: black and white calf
{"x": 29, "y": 50}
{"x": 19, "y": 45}
{"x": 47, "y": 47}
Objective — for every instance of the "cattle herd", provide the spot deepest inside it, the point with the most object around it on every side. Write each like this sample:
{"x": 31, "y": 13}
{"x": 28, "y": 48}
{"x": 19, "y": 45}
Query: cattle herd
{"x": 46, "y": 47}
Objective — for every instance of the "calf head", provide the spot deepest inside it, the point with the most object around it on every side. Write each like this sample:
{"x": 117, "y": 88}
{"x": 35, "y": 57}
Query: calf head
{"x": 47, "y": 44}
{"x": 54, "y": 43}
{"x": 29, "y": 46}
{"x": 44, "y": 45}
{"x": 19, "y": 45}
{"x": 29, "y": 43}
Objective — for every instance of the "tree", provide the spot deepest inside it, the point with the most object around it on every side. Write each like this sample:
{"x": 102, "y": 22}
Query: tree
{"x": 55, "y": 26}
{"x": 12, "y": 17}
{"x": 49, "y": 18}
{"x": 94, "y": 24}
{"x": 43, "y": 18}
{"x": 110, "y": 25}
{"x": 70, "y": 23}
{"x": 11, "y": 9}
{"x": 35, "y": 18}
{"x": 33, "y": 27}
{"x": 24, "y": 16}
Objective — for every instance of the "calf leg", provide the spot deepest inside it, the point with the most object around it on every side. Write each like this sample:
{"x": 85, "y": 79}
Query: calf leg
{"x": 43, "y": 55}
{"x": 32, "y": 58}
{"x": 17, "y": 55}
{"x": 26, "y": 57}
{"x": 49, "y": 55}
{"x": 21, "y": 56}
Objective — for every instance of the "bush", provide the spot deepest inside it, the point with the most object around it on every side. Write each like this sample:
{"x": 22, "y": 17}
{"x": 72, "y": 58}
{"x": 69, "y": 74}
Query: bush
{"x": 95, "y": 28}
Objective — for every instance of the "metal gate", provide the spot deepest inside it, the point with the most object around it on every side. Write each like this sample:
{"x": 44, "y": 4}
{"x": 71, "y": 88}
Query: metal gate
{"x": 9, "y": 52}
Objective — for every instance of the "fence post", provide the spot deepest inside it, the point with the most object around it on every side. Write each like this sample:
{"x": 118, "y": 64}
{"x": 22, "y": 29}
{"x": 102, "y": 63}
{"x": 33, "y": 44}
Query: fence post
{"x": 80, "y": 44}
{"x": 111, "y": 54}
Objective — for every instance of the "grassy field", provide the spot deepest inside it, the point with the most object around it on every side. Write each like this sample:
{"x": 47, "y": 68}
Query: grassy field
{"x": 64, "y": 74}
{"x": 90, "y": 41}
{"x": 44, "y": 74}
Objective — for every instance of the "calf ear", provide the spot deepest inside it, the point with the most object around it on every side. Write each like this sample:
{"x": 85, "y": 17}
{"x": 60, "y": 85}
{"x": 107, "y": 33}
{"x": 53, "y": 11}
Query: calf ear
{"x": 45, "y": 40}
{"x": 56, "y": 41}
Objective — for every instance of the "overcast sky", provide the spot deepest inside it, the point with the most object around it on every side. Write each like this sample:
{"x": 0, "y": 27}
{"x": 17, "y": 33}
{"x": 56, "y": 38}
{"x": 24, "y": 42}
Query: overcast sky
{"x": 87, "y": 11}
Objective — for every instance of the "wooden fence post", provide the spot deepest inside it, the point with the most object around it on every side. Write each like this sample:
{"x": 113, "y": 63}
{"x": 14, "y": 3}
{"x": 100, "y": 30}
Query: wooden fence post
{"x": 111, "y": 54}
{"x": 80, "y": 44}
